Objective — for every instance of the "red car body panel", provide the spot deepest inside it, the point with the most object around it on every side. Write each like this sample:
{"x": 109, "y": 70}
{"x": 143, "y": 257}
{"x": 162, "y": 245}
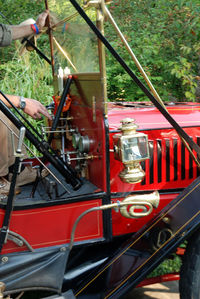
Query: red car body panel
{"x": 52, "y": 225}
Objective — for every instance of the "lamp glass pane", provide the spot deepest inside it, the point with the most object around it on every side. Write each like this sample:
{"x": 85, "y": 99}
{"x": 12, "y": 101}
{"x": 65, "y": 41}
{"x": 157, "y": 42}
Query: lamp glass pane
{"x": 134, "y": 148}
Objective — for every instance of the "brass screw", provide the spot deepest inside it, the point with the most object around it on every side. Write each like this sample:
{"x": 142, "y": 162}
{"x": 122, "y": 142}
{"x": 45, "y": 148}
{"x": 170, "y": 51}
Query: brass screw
{"x": 63, "y": 249}
{"x": 4, "y": 259}
{"x": 166, "y": 220}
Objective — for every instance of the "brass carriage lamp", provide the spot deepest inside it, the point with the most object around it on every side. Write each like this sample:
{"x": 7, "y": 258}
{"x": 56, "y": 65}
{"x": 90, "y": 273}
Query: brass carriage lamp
{"x": 131, "y": 148}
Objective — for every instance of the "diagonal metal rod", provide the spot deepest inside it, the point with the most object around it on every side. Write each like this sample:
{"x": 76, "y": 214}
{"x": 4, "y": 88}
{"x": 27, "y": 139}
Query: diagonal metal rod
{"x": 38, "y": 159}
{"x": 60, "y": 106}
{"x": 17, "y": 110}
{"x": 67, "y": 19}
{"x": 146, "y": 78}
{"x": 29, "y": 42}
{"x": 64, "y": 54}
{"x": 36, "y": 49}
{"x": 50, "y": 39}
{"x": 164, "y": 112}
{"x": 140, "y": 68}
{"x": 67, "y": 172}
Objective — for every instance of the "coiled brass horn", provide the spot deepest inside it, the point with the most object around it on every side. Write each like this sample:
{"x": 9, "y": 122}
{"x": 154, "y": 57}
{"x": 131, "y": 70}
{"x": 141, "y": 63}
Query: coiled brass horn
{"x": 144, "y": 203}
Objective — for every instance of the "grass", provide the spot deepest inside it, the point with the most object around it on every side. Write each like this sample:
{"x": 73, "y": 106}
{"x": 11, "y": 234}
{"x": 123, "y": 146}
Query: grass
{"x": 31, "y": 77}
{"x": 27, "y": 75}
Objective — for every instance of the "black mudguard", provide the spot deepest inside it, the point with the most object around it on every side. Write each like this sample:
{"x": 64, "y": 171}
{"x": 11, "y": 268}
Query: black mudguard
{"x": 41, "y": 269}
{"x": 142, "y": 252}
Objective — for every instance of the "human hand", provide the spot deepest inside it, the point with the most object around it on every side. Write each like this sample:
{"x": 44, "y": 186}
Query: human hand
{"x": 41, "y": 20}
{"x": 35, "y": 109}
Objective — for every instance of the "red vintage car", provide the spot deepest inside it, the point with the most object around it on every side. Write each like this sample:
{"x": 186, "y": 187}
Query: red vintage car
{"x": 122, "y": 192}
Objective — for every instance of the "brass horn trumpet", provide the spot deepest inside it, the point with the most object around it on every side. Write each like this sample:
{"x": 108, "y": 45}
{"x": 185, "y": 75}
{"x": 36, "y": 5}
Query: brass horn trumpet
{"x": 144, "y": 202}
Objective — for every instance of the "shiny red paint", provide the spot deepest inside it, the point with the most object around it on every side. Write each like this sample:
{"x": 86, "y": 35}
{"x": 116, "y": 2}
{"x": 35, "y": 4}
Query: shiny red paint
{"x": 168, "y": 134}
{"x": 149, "y": 117}
{"x": 122, "y": 225}
{"x": 159, "y": 279}
{"x": 50, "y": 226}
{"x": 152, "y": 123}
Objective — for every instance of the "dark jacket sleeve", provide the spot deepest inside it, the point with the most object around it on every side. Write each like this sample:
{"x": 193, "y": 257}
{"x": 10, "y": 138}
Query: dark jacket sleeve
{"x": 5, "y": 35}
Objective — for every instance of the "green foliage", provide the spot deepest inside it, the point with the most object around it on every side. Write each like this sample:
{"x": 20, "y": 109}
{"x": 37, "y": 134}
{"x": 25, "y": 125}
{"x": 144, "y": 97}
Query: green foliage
{"x": 19, "y": 10}
{"x": 163, "y": 35}
{"x": 30, "y": 76}
{"x": 26, "y": 75}
{"x": 165, "y": 38}
{"x": 30, "y": 79}
{"x": 168, "y": 266}
{"x": 15, "y": 13}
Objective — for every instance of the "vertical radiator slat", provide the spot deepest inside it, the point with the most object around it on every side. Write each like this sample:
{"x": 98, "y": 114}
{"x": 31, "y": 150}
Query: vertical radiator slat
{"x": 159, "y": 159}
{"x": 182, "y": 161}
{"x": 151, "y": 164}
{"x": 167, "y": 160}
{"x": 162, "y": 153}
{"x": 190, "y": 166}
{"x": 175, "y": 149}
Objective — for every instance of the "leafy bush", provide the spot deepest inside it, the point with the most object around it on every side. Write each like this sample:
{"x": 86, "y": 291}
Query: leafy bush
{"x": 168, "y": 266}
{"x": 163, "y": 35}
{"x": 165, "y": 38}
{"x": 30, "y": 76}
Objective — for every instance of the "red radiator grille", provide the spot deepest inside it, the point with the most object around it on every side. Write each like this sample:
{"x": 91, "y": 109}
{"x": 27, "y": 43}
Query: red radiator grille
{"x": 170, "y": 164}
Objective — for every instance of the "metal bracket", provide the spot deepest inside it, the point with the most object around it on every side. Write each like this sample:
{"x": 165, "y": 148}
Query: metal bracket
{"x": 15, "y": 240}
{"x": 18, "y": 152}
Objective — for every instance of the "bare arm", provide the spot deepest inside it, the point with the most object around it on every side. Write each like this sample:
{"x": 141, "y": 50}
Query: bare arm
{"x": 33, "y": 108}
{"x": 20, "y": 31}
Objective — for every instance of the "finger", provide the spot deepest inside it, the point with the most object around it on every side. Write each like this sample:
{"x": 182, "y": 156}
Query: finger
{"x": 36, "y": 115}
{"x": 45, "y": 112}
{"x": 42, "y": 110}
